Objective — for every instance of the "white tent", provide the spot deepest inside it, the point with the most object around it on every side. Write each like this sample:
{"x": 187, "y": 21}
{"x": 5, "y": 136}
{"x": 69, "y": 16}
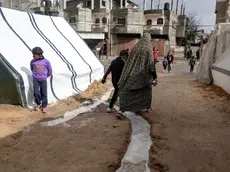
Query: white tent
{"x": 221, "y": 71}
{"x": 74, "y": 65}
{"x": 214, "y": 66}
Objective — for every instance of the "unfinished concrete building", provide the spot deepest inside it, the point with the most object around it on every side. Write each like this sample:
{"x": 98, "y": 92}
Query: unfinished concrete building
{"x": 108, "y": 23}
{"x": 119, "y": 24}
{"x": 222, "y": 11}
{"x": 54, "y": 8}
{"x": 162, "y": 25}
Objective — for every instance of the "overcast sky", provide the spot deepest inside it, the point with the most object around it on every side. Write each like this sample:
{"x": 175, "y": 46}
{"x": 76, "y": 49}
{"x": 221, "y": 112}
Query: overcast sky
{"x": 205, "y": 9}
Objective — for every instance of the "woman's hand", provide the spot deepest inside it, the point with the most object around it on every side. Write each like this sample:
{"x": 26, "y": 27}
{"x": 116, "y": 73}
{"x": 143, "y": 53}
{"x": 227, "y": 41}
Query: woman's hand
{"x": 153, "y": 83}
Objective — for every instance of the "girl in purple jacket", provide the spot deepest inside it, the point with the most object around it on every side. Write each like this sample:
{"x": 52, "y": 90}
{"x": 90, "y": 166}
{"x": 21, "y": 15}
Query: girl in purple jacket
{"x": 41, "y": 70}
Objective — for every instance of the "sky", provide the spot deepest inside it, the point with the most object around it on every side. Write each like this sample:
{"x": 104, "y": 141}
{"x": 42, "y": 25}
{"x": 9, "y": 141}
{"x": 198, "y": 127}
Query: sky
{"x": 205, "y": 10}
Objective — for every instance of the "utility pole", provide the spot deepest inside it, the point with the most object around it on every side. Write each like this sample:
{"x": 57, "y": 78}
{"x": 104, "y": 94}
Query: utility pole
{"x": 181, "y": 9}
{"x": 152, "y": 4}
{"x": 172, "y": 5}
{"x": 108, "y": 41}
{"x": 159, "y": 4}
{"x": 177, "y": 6}
{"x": 144, "y": 5}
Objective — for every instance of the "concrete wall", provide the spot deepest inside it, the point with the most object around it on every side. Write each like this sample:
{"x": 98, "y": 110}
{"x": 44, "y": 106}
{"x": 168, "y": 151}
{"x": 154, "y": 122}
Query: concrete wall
{"x": 83, "y": 19}
{"x": 221, "y": 11}
{"x": 172, "y": 28}
{"x": 161, "y": 45}
{"x": 153, "y": 15}
{"x": 100, "y": 14}
{"x": 23, "y": 5}
{"x": 133, "y": 21}
{"x": 169, "y": 27}
{"x": 181, "y": 23}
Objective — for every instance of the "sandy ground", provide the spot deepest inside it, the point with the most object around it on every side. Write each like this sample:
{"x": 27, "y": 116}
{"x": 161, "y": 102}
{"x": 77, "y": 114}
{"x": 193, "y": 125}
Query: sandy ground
{"x": 190, "y": 125}
{"x": 15, "y": 118}
{"x": 91, "y": 142}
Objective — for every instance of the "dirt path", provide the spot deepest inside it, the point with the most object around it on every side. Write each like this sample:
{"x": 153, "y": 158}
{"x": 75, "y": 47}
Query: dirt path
{"x": 14, "y": 118}
{"x": 190, "y": 125}
{"x": 92, "y": 142}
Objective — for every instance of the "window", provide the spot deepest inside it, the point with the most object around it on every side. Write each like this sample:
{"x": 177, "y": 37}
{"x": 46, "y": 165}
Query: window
{"x": 72, "y": 20}
{"x": 121, "y": 21}
{"x": 89, "y": 4}
{"x": 104, "y": 20}
{"x": 160, "y": 21}
{"x": 103, "y": 3}
{"x": 97, "y": 20}
{"x": 149, "y": 22}
{"x": 0, "y": 4}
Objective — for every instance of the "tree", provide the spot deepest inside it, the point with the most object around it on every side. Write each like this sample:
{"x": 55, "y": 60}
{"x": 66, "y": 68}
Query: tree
{"x": 192, "y": 31}
{"x": 193, "y": 27}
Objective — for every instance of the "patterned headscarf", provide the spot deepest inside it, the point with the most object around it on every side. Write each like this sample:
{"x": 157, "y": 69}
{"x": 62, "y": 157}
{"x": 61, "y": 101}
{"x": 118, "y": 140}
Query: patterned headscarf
{"x": 136, "y": 73}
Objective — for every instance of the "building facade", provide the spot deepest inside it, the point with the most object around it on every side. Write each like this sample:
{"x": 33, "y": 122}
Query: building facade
{"x": 222, "y": 11}
{"x": 54, "y": 8}
{"x": 119, "y": 24}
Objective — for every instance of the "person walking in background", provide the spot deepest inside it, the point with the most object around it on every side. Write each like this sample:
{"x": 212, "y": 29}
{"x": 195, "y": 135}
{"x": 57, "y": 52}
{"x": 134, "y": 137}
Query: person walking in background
{"x": 192, "y": 63}
{"x": 189, "y": 53}
{"x": 138, "y": 76}
{"x": 155, "y": 54}
{"x": 41, "y": 70}
{"x": 115, "y": 68}
{"x": 198, "y": 54}
{"x": 170, "y": 59}
{"x": 165, "y": 63}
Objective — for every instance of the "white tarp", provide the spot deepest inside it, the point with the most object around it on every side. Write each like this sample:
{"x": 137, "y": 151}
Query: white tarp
{"x": 218, "y": 43}
{"x": 74, "y": 65}
{"x": 221, "y": 71}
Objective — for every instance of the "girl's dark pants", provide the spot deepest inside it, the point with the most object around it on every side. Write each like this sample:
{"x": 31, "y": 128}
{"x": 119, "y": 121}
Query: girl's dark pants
{"x": 40, "y": 92}
{"x": 169, "y": 67}
{"x": 165, "y": 66}
{"x": 191, "y": 68}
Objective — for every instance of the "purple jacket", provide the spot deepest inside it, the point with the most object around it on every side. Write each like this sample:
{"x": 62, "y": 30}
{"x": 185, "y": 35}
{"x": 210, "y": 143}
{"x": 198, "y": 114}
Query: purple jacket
{"x": 41, "y": 69}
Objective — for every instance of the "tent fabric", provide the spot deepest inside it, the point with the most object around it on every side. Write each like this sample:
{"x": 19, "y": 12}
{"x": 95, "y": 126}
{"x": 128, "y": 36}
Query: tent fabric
{"x": 221, "y": 71}
{"x": 74, "y": 65}
{"x": 218, "y": 43}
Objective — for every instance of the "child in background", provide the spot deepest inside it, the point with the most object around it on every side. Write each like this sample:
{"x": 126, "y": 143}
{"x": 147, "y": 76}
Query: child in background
{"x": 115, "y": 68}
{"x": 41, "y": 70}
{"x": 192, "y": 63}
{"x": 165, "y": 63}
{"x": 170, "y": 59}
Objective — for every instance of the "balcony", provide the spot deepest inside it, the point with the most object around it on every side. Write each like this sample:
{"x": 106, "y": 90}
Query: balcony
{"x": 127, "y": 21}
{"x": 119, "y": 28}
{"x": 99, "y": 28}
{"x": 155, "y": 30}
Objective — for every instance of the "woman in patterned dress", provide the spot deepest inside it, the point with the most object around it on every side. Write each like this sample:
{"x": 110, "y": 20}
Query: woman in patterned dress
{"x": 138, "y": 76}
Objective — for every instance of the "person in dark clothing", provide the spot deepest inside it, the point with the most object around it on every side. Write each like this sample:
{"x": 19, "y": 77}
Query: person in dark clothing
{"x": 41, "y": 70}
{"x": 192, "y": 63}
{"x": 115, "y": 68}
{"x": 189, "y": 54}
{"x": 170, "y": 59}
{"x": 198, "y": 55}
{"x": 165, "y": 63}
